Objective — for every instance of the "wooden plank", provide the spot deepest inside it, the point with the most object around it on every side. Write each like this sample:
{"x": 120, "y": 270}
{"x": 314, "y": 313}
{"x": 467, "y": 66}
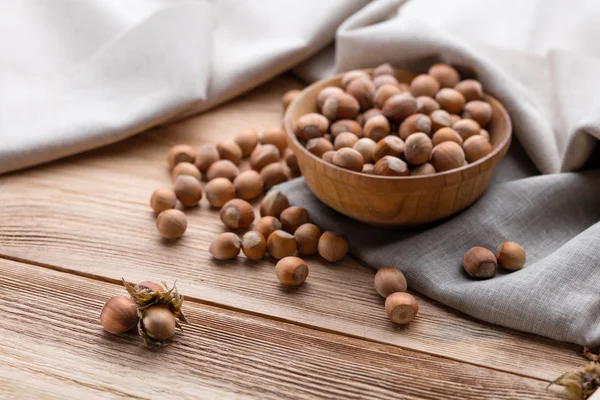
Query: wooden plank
{"x": 53, "y": 347}
{"x": 89, "y": 215}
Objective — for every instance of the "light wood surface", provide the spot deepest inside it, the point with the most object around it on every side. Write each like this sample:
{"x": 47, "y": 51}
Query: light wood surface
{"x": 395, "y": 201}
{"x": 88, "y": 217}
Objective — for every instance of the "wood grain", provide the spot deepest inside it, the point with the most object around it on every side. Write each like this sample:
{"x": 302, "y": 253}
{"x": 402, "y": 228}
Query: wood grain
{"x": 89, "y": 215}
{"x": 53, "y": 347}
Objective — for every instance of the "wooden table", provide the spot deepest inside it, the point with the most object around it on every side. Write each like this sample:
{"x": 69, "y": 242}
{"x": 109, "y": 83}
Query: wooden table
{"x": 70, "y": 230}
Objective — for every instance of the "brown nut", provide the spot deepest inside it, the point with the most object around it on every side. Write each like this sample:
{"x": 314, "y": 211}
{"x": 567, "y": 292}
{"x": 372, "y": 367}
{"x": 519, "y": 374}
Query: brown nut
{"x": 332, "y": 246}
{"x": 476, "y": 147}
{"x": 450, "y": 100}
{"x": 424, "y": 85}
{"x": 326, "y": 93}
{"x": 399, "y": 106}
{"x": 180, "y": 153}
{"x": 365, "y": 147}
{"x": 237, "y": 213}
{"x": 226, "y": 246}
{"x": 384, "y": 92}
{"x": 263, "y": 156}
{"x": 222, "y": 169}
{"x": 485, "y": 134}
{"x": 368, "y": 169}
{"x": 363, "y": 91}
{"x": 384, "y": 69}
{"x": 377, "y": 127}
{"x": 288, "y": 97}
{"x": 370, "y": 113}
{"x": 219, "y": 191}
{"x": 440, "y": 119}
{"x": 291, "y": 271}
{"x": 163, "y": 199}
{"x": 401, "y": 308}
{"x": 480, "y": 111}
{"x": 470, "y": 89}
{"x": 426, "y": 105}
{"x": 342, "y": 106}
{"x": 319, "y": 146}
{"x": 291, "y": 161}
{"x": 352, "y": 75}
{"x": 273, "y": 204}
{"x": 446, "y": 135}
{"x": 466, "y": 128}
{"x": 248, "y": 185}
{"x": 229, "y": 150}
{"x": 389, "y": 280}
{"x": 446, "y": 75}
{"x": 391, "y": 166}
{"x": 425, "y": 169}
{"x": 188, "y": 190}
{"x": 267, "y": 225}
{"x": 171, "y": 224}
{"x": 344, "y": 139}
{"x": 275, "y": 136}
{"x": 346, "y": 125}
{"x": 247, "y": 139}
{"x": 382, "y": 80}
{"x": 446, "y": 156}
{"x": 310, "y": 126}
{"x": 388, "y": 146}
{"x": 159, "y": 322}
{"x": 307, "y": 238}
{"x": 254, "y": 245}
{"x": 292, "y": 217}
{"x": 185, "y": 168}
{"x": 348, "y": 158}
{"x": 119, "y": 315}
{"x": 206, "y": 155}
{"x": 414, "y": 123}
{"x": 281, "y": 244}
{"x": 511, "y": 256}
{"x": 273, "y": 174}
{"x": 417, "y": 149}
{"x": 328, "y": 156}
{"x": 479, "y": 262}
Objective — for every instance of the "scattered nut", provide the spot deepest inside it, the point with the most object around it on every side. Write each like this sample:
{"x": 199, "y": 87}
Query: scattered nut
{"x": 470, "y": 89}
{"x": 226, "y": 246}
{"x": 348, "y": 158}
{"x": 188, "y": 190}
{"x": 267, "y": 225}
{"x": 307, "y": 238}
{"x": 446, "y": 135}
{"x": 344, "y": 139}
{"x": 275, "y": 136}
{"x": 288, "y": 97}
{"x": 219, "y": 191}
{"x": 180, "y": 153}
{"x": 237, "y": 213}
{"x": 254, "y": 245}
{"x": 332, "y": 246}
{"x": 480, "y": 111}
{"x": 281, "y": 244}
{"x": 446, "y": 156}
{"x": 248, "y": 185}
{"x": 247, "y": 139}
{"x": 273, "y": 204}
{"x": 401, "y": 308}
{"x": 480, "y": 263}
{"x": 291, "y": 271}
{"x": 511, "y": 256}
{"x": 377, "y": 127}
{"x": 292, "y": 217}
{"x": 263, "y": 156}
{"x": 415, "y": 123}
{"x": 389, "y": 280}
{"x": 119, "y": 315}
{"x": 229, "y": 150}
{"x": 222, "y": 169}
{"x": 476, "y": 147}
{"x": 446, "y": 75}
{"x": 206, "y": 155}
{"x": 391, "y": 166}
{"x": 163, "y": 199}
{"x": 273, "y": 174}
{"x": 171, "y": 224}
{"x": 424, "y": 85}
{"x": 388, "y": 146}
{"x": 185, "y": 168}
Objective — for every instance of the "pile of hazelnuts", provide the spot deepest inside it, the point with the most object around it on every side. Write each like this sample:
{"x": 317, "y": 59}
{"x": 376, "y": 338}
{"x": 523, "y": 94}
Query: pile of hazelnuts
{"x": 377, "y": 125}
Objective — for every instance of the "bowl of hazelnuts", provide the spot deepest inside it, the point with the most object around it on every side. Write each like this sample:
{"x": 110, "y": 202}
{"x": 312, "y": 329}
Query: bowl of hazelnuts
{"x": 395, "y": 148}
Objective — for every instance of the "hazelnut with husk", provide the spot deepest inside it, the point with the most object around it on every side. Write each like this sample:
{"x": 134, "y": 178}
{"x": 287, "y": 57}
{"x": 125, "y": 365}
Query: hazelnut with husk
{"x": 583, "y": 383}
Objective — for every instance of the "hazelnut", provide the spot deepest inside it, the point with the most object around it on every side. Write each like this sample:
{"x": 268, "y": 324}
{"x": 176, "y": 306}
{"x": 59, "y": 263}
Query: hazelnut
{"x": 163, "y": 199}
{"x": 454, "y": 118}
{"x": 388, "y": 146}
{"x": 440, "y": 119}
{"x": 326, "y": 93}
{"x": 254, "y": 245}
{"x": 247, "y": 139}
{"x": 292, "y": 217}
{"x": 424, "y": 85}
{"x": 466, "y": 128}
{"x": 352, "y": 75}
{"x": 384, "y": 92}
{"x": 291, "y": 271}
{"x": 446, "y": 135}
{"x": 275, "y": 136}
{"x": 180, "y": 153}
{"x": 485, "y": 134}
{"x": 171, "y": 224}
{"x": 222, "y": 169}
{"x": 229, "y": 150}
{"x": 273, "y": 174}
{"x": 399, "y": 106}
{"x": 480, "y": 263}
{"x": 415, "y": 123}
{"x": 149, "y": 287}
{"x": 188, "y": 190}
{"x": 291, "y": 161}
{"x": 237, "y": 213}
{"x": 267, "y": 225}
{"x": 384, "y": 69}
{"x": 206, "y": 155}
{"x": 377, "y": 127}
{"x": 348, "y": 158}
{"x": 426, "y": 105}
{"x": 311, "y": 126}
{"x": 370, "y": 113}
{"x": 185, "y": 168}
{"x": 273, "y": 204}
{"x": 450, "y": 100}
{"x": 248, "y": 185}
{"x": 342, "y": 106}
{"x": 480, "y": 111}
{"x": 368, "y": 169}
{"x": 344, "y": 139}
{"x": 424, "y": 169}
{"x": 391, "y": 166}
{"x": 328, "y": 156}
{"x": 319, "y": 146}
{"x": 363, "y": 90}
{"x": 447, "y": 76}
{"x": 389, "y": 280}
{"x": 365, "y": 147}
{"x": 346, "y": 125}
{"x": 119, "y": 315}
{"x": 307, "y": 237}
{"x": 219, "y": 191}
{"x": 159, "y": 322}
{"x": 332, "y": 246}
{"x": 511, "y": 256}
{"x": 401, "y": 308}
{"x": 263, "y": 156}
{"x": 226, "y": 246}
{"x": 287, "y": 98}
{"x": 281, "y": 244}
{"x": 417, "y": 148}
{"x": 476, "y": 147}
{"x": 446, "y": 156}
{"x": 470, "y": 89}
{"x": 382, "y": 80}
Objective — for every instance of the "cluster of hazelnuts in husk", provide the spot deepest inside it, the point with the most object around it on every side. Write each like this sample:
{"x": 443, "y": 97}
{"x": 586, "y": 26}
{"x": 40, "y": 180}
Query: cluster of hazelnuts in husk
{"x": 481, "y": 263}
{"x": 154, "y": 309}
{"x": 377, "y": 125}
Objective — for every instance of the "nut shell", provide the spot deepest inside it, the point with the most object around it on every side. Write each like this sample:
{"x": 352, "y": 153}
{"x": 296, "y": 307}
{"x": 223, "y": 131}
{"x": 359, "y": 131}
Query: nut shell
{"x": 230, "y": 150}
{"x": 275, "y": 136}
{"x": 350, "y": 76}
{"x": 219, "y": 191}
{"x": 391, "y": 166}
{"x": 348, "y": 158}
{"x": 222, "y": 169}
{"x": 450, "y": 100}
{"x": 237, "y": 213}
{"x": 387, "y": 79}
{"x": 480, "y": 263}
{"x": 264, "y": 155}
{"x": 326, "y": 93}
{"x": 254, "y": 245}
{"x": 273, "y": 204}
{"x": 446, "y": 135}
{"x": 225, "y": 246}
{"x": 332, "y": 246}
{"x": 185, "y": 168}
{"x": 480, "y": 111}
{"x": 388, "y": 146}
{"x": 181, "y": 153}
{"x": 446, "y": 75}
{"x": 311, "y": 126}
{"x": 440, "y": 119}
{"x": 415, "y": 123}
{"x": 389, "y": 280}
{"x": 281, "y": 244}
{"x": 319, "y": 146}
{"x": 119, "y": 315}
{"x": 248, "y": 185}
{"x": 363, "y": 90}
{"x": 377, "y": 127}
{"x": 247, "y": 139}
{"x": 466, "y": 128}
{"x": 417, "y": 148}
{"x": 291, "y": 271}
{"x": 188, "y": 190}
{"x": 267, "y": 225}
{"x": 384, "y": 92}
{"x": 424, "y": 85}
{"x": 273, "y": 174}
{"x": 292, "y": 217}
{"x": 343, "y": 106}
{"x": 511, "y": 256}
{"x": 446, "y": 156}
{"x": 344, "y": 139}
{"x": 328, "y": 156}
{"x": 425, "y": 169}
{"x": 159, "y": 322}
{"x": 206, "y": 155}
{"x": 384, "y": 69}
{"x": 401, "y": 308}
{"x": 163, "y": 199}
{"x": 426, "y": 105}
{"x": 399, "y": 106}
{"x": 307, "y": 238}
{"x": 476, "y": 147}
{"x": 346, "y": 125}
{"x": 171, "y": 224}
{"x": 365, "y": 147}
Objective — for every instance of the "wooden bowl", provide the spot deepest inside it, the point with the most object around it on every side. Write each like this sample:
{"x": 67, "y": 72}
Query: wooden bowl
{"x": 395, "y": 201}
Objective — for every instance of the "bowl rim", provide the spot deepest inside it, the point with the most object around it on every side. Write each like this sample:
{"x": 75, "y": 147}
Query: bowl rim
{"x": 335, "y": 80}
